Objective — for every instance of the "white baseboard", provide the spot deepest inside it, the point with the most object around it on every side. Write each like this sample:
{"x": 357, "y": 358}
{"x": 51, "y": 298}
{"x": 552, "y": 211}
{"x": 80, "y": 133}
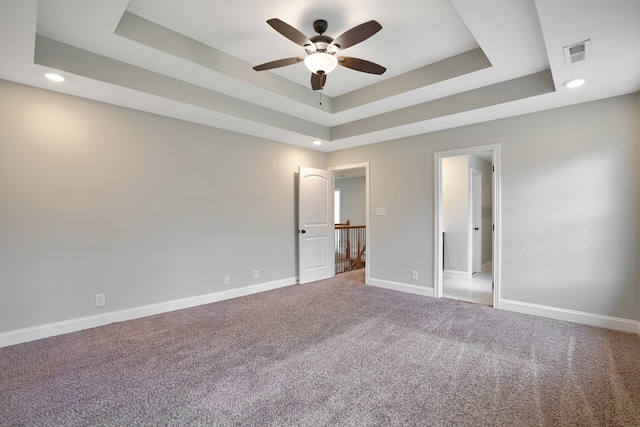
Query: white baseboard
{"x": 74, "y": 325}
{"x": 487, "y": 266}
{"x": 599, "y": 320}
{"x": 456, "y": 273}
{"x": 402, "y": 287}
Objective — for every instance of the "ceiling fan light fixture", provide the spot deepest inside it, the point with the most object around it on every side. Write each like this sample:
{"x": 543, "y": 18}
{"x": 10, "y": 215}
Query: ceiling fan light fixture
{"x": 321, "y": 62}
{"x": 321, "y": 50}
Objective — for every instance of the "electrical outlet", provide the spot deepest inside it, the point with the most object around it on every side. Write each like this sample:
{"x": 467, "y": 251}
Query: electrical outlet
{"x": 101, "y": 300}
{"x": 414, "y": 275}
{"x": 227, "y": 279}
{"x": 256, "y": 274}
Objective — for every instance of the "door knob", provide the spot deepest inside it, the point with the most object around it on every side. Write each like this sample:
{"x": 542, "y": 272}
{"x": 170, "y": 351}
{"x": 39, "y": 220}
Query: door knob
{"x": 477, "y": 229}
{"x": 302, "y": 231}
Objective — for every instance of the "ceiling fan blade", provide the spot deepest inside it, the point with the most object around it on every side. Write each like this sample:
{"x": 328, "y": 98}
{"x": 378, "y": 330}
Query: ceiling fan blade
{"x": 278, "y": 63}
{"x": 318, "y": 81}
{"x": 361, "y": 65}
{"x": 357, "y": 34}
{"x": 289, "y": 32}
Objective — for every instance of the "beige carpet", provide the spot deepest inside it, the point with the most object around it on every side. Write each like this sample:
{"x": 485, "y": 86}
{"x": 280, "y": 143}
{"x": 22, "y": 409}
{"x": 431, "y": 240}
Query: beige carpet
{"x": 357, "y": 276}
{"x": 329, "y": 353}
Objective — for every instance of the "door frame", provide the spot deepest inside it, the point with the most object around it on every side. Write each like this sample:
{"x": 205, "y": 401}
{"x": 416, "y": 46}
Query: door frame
{"x": 496, "y": 214}
{"x": 367, "y": 252}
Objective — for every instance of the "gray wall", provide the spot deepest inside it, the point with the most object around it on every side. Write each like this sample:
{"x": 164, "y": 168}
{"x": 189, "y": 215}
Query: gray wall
{"x": 569, "y": 204}
{"x": 634, "y": 184}
{"x": 352, "y": 200}
{"x": 455, "y": 213}
{"x": 101, "y": 199}
{"x": 96, "y": 198}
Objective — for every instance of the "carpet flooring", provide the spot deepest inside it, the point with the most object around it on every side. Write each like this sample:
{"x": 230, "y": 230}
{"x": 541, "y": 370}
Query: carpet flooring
{"x": 334, "y": 352}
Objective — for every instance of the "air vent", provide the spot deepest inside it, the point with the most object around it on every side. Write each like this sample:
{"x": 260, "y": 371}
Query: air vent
{"x": 577, "y": 52}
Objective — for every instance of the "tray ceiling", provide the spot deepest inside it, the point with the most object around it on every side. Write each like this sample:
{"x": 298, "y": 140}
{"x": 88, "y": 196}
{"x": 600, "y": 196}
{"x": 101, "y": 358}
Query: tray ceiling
{"x": 449, "y": 62}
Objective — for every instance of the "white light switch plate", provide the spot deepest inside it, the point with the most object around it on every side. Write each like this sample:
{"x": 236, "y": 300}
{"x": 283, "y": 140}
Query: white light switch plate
{"x": 381, "y": 211}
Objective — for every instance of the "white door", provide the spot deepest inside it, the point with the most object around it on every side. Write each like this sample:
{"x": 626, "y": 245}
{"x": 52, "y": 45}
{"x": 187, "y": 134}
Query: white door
{"x": 476, "y": 214}
{"x": 315, "y": 225}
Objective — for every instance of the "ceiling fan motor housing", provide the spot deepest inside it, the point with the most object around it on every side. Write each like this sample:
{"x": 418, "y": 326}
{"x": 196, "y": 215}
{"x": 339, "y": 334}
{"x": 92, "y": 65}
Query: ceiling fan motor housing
{"x": 321, "y": 43}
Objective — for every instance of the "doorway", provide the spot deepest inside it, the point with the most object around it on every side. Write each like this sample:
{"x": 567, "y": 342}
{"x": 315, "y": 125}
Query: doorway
{"x": 349, "y": 179}
{"x": 466, "y": 224}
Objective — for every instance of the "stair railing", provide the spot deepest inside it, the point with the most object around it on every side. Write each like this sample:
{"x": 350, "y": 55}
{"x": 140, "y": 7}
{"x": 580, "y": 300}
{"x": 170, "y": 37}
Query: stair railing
{"x": 350, "y": 247}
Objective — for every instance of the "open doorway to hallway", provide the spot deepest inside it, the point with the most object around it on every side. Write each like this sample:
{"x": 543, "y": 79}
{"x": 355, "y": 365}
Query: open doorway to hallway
{"x": 351, "y": 221}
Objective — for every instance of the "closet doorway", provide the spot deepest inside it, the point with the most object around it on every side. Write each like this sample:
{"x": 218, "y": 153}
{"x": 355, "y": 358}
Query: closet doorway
{"x": 466, "y": 214}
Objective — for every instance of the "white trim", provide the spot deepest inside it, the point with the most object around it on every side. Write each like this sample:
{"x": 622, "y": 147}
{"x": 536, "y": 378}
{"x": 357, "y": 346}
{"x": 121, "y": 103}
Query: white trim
{"x": 591, "y": 319}
{"x": 402, "y": 287}
{"x": 367, "y": 218}
{"x": 496, "y": 211}
{"x": 438, "y": 227}
{"x": 336, "y": 205}
{"x": 456, "y": 273}
{"x": 74, "y": 325}
{"x": 487, "y": 266}
{"x": 496, "y": 186}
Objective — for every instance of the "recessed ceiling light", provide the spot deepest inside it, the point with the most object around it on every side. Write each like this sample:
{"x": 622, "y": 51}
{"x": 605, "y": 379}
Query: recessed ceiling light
{"x": 316, "y": 142}
{"x": 574, "y": 83}
{"x": 54, "y": 77}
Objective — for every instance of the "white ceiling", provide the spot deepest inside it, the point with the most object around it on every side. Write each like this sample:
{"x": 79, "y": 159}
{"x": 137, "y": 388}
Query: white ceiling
{"x": 449, "y": 62}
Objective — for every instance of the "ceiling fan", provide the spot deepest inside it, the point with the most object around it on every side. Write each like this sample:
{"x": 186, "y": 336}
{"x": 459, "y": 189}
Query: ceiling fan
{"x": 321, "y": 50}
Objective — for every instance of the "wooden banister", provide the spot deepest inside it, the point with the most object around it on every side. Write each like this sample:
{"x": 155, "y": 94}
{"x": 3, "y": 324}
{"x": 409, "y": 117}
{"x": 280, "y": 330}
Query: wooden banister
{"x": 345, "y": 233}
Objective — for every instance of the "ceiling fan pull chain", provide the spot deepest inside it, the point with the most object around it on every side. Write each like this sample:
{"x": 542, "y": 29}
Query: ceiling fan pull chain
{"x": 320, "y": 92}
